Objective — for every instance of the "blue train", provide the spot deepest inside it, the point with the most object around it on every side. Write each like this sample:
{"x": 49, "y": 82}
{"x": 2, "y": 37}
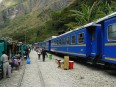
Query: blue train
{"x": 95, "y": 41}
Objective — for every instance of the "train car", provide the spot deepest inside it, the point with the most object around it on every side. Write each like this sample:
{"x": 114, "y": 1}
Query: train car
{"x": 108, "y": 30}
{"x": 81, "y": 42}
{"x": 47, "y": 43}
{"x": 95, "y": 42}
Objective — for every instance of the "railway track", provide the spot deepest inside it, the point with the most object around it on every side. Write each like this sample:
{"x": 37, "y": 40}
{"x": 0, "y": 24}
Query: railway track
{"x": 21, "y": 79}
{"x": 41, "y": 80}
{"x": 41, "y": 77}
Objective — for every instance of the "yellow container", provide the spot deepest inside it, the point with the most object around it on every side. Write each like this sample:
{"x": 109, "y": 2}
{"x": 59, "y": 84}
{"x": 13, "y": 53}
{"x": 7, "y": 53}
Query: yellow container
{"x": 66, "y": 62}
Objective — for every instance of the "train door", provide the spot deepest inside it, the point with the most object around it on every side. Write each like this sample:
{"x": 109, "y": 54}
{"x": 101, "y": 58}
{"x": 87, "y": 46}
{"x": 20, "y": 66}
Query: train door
{"x": 92, "y": 41}
{"x": 95, "y": 43}
{"x": 49, "y": 47}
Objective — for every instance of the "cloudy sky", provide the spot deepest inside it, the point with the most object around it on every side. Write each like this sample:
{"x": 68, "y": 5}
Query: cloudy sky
{"x": 0, "y": 1}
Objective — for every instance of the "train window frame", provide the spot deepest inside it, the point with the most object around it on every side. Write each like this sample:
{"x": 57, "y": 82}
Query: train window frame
{"x": 108, "y": 32}
{"x": 72, "y": 39}
{"x": 83, "y": 38}
{"x": 68, "y": 38}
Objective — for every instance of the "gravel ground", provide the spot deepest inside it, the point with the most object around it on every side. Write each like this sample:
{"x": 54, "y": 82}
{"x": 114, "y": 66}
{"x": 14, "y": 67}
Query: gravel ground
{"x": 31, "y": 76}
{"x": 80, "y": 76}
{"x": 47, "y": 74}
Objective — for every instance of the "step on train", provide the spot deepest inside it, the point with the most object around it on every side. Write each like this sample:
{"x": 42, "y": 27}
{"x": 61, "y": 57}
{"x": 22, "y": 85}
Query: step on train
{"x": 95, "y": 42}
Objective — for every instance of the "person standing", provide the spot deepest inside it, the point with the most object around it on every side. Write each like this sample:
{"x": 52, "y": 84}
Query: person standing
{"x": 27, "y": 52}
{"x": 43, "y": 54}
{"x": 4, "y": 59}
{"x": 39, "y": 52}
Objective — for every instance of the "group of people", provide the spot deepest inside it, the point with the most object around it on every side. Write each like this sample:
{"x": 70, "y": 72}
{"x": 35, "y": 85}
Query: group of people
{"x": 9, "y": 63}
{"x": 41, "y": 51}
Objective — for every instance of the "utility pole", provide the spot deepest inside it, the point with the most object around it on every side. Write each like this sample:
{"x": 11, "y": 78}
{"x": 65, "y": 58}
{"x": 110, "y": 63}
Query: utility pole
{"x": 25, "y": 37}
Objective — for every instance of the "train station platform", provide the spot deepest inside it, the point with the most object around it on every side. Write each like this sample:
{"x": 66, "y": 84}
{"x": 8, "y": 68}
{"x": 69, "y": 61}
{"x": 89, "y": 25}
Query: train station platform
{"x": 47, "y": 74}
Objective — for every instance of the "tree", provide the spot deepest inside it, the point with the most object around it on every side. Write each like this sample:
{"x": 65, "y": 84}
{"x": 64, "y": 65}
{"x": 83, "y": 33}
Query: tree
{"x": 87, "y": 13}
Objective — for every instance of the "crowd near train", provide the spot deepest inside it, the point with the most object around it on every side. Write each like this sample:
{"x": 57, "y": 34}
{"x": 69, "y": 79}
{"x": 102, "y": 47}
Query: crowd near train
{"x": 15, "y": 51}
{"x": 94, "y": 42}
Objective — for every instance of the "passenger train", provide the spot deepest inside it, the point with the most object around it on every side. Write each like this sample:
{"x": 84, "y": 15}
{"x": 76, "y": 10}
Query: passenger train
{"x": 95, "y": 41}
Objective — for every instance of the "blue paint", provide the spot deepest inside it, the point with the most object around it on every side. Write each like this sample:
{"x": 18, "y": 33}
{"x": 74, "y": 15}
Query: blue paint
{"x": 94, "y": 45}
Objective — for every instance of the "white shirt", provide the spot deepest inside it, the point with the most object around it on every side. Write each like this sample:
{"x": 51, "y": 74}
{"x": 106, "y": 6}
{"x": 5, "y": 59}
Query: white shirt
{"x": 4, "y": 58}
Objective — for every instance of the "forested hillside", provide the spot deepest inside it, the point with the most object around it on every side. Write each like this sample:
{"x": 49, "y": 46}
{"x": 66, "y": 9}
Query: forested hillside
{"x": 40, "y": 19}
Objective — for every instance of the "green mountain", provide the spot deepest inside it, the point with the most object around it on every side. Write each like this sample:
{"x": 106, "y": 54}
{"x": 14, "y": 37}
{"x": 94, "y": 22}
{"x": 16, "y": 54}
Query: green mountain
{"x": 35, "y": 20}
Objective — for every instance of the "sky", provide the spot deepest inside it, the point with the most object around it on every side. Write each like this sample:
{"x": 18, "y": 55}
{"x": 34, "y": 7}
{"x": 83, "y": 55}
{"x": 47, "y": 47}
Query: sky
{"x": 0, "y": 1}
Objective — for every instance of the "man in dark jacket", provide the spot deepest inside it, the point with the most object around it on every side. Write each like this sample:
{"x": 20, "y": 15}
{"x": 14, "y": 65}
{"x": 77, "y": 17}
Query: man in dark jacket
{"x": 27, "y": 52}
{"x": 43, "y": 54}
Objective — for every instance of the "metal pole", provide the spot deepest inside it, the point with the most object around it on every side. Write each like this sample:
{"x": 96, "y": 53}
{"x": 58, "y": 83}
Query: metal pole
{"x": 25, "y": 37}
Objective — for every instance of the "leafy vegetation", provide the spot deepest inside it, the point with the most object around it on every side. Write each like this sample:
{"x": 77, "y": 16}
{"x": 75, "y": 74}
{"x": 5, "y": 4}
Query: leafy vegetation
{"x": 80, "y": 13}
{"x": 37, "y": 27}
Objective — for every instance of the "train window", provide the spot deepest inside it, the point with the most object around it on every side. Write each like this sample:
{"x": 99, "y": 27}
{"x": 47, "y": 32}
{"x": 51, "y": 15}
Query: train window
{"x": 112, "y": 32}
{"x": 73, "y": 40}
{"x": 81, "y": 38}
{"x": 57, "y": 42}
{"x": 54, "y": 42}
{"x": 67, "y": 40}
{"x": 63, "y": 41}
{"x": 60, "y": 42}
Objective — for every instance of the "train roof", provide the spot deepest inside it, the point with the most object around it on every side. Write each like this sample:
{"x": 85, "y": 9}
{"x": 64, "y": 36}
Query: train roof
{"x": 106, "y": 17}
{"x": 95, "y": 23}
{"x": 52, "y": 37}
{"x": 87, "y": 25}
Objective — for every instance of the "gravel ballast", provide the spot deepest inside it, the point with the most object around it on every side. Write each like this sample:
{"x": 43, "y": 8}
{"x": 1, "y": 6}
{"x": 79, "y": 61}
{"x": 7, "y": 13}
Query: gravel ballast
{"x": 47, "y": 74}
